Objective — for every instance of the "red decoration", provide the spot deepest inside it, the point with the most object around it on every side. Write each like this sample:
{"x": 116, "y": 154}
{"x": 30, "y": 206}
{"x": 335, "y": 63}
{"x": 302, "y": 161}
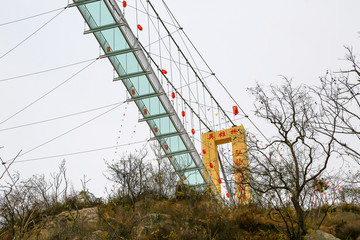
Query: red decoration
{"x": 211, "y": 165}
{"x": 133, "y": 91}
{"x": 139, "y": 27}
{"x": 164, "y": 71}
{"x": 156, "y": 130}
{"x": 173, "y": 95}
{"x": 228, "y": 195}
{"x": 108, "y": 49}
{"x": 184, "y": 178}
{"x": 145, "y": 111}
{"x": 239, "y": 162}
{"x": 211, "y": 136}
{"x": 235, "y": 110}
{"x": 183, "y": 113}
{"x": 124, "y": 4}
{"x": 193, "y": 131}
{"x": 166, "y": 147}
{"x": 219, "y": 180}
{"x": 204, "y": 151}
{"x": 222, "y": 134}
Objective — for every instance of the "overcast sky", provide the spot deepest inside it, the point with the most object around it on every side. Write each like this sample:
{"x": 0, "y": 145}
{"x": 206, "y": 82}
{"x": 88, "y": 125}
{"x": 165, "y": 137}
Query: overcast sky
{"x": 244, "y": 42}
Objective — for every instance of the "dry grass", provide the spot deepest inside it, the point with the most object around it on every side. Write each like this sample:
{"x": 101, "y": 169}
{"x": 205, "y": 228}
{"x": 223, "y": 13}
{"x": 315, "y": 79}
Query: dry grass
{"x": 190, "y": 215}
{"x": 342, "y": 221}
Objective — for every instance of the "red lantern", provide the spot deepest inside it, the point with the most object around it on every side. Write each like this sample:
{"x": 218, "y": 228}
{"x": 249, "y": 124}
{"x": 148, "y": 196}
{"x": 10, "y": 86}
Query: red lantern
{"x": 166, "y": 147}
{"x": 173, "y": 95}
{"x": 228, "y": 195}
{"x": 193, "y": 131}
{"x": 183, "y": 113}
{"x": 133, "y": 91}
{"x": 124, "y": 4}
{"x": 211, "y": 165}
{"x": 139, "y": 27}
{"x": 145, "y": 111}
{"x": 164, "y": 71}
{"x": 108, "y": 49}
{"x": 204, "y": 151}
{"x": 219, "y": 180}
{"x": 235, "y": 110}
{"x": 184, "y": 178}
{"x": 156, "y": 130}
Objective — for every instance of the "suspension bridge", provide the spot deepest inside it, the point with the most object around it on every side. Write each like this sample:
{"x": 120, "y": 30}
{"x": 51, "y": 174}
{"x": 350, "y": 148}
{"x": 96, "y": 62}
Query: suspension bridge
{"x": 166, "y": 77}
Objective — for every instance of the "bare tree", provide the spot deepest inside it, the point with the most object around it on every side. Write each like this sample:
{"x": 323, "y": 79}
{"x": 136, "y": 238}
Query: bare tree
{"x": 284, "y": 168}
{"x": 131, "y": 173}
{"x": 23, "y": 203}
{"x": 59, "y": 183}
{"x": 19, "y": 206}
{"x": 163, "y": 176}
{"x": 339, "y": 96}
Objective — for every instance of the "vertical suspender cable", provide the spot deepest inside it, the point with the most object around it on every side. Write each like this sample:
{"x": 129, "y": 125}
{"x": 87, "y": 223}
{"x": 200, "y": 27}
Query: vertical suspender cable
{"x": 197, "y": 76}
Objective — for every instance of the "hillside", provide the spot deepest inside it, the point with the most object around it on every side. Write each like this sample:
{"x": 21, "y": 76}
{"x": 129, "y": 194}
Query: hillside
{"x": 189, "y": 215}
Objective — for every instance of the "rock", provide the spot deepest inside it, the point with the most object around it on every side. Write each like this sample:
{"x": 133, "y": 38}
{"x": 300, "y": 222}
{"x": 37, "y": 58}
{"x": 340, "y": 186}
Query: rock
{"x": 320, "y": 235}
{"x": 150, "y": 223}
{"x": 86, "y": 217}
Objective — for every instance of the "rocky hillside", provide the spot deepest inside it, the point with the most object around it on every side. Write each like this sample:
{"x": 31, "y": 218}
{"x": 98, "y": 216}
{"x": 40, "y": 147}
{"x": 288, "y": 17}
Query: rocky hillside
{"x": 183, "y": 217}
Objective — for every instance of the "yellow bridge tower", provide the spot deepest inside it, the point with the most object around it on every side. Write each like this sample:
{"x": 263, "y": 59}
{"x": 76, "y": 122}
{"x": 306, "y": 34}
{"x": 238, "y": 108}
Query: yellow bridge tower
{"x": 236, "y": 135}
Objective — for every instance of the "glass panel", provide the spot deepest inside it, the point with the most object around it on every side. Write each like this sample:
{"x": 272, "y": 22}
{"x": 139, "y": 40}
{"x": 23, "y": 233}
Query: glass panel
{"x": 194, "y": 177}
{"x": 105, "y": 15}
{"x": 153, "y": 106}
{"x": 127, "y": 64}
{"x": 94, "y": 11}
{"x": 164, "y": 125}
{"x": 89, "y": 19}
{"x": 140, "y": 84}
{"x": 183, "y": 162}
{"x": 100, "y": 14}
{"x": 175, "y": 144}
{"x": 114, "y": 39}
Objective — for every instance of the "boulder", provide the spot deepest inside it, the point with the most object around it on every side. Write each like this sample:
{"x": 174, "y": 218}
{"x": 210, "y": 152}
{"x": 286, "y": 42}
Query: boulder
{"x": 320, "y": 235}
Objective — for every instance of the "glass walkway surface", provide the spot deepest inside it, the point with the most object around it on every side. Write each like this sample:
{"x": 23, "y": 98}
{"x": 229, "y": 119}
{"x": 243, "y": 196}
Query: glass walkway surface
{"x": 121, "y": 47}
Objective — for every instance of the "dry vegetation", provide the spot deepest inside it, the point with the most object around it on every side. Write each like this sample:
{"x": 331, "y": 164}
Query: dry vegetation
{"x": 187, "y": 215}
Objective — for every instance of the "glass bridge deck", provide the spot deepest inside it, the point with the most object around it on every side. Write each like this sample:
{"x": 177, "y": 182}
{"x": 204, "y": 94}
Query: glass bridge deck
{"x": 121, "y": 47}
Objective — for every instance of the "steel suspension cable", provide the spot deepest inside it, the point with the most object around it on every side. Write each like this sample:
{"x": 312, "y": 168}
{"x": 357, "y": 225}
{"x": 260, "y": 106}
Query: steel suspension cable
{"x": 32, "y": 34}
{"x": 193, "y": 69}
{"x": 47, "y": 93}
{"x": 29, "y": 17}
{"x": 81, "y": 152}
{"x": 65, "y": 133}
{"x": 152, "y": 16}
{"x": 47, "y": 70}
{"x": 218, "y": 80}
{"x": 179, "y": 67}
{"x": 177, "y": 92}
{"x": 57, "y": 118}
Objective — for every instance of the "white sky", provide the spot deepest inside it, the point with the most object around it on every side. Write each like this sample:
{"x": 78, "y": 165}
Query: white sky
{"x": 243, "y": 42}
